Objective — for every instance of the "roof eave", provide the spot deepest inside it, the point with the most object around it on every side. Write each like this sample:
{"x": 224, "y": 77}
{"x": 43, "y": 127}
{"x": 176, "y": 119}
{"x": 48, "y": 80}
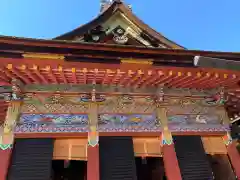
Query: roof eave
{"x": 110, "y": 47}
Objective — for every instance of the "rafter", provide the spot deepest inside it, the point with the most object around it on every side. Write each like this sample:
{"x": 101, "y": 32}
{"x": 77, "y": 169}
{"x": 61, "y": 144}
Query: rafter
{"x": 9, "y": 73}
{"x": 4, "y": 77}
{"x": 154, "y": 77}
{"x": 169, "y": 79}
{"x": 36, "y": 70}
{"x": 187, "y": 77}
{"x": 30, "y": 75}
{"x": 50, "y": 72}
{"x": 147, "y": 76}
{"x": 133, "y": 81}
{"x": 61, "y": 72}
{"x": 107, "y": 76}
{"x": 84, "y": 71}
{"x": 165, "y": 78}
{"x": 124, "y": 79}
{"x": 190, "y": 81}
{"x": 118, "y": 75}
{"x": 139, "y": 78}
{"x": 74, "y": 77}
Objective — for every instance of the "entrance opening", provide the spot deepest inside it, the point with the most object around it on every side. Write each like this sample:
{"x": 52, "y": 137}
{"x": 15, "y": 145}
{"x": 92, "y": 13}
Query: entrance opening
{"x": 69, "y": 170}
{"x": 221, "y": 167}
{"x": 151, "y": 168}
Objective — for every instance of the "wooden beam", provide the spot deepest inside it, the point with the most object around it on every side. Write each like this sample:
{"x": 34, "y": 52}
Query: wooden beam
{"x": 134, "y": 134}
{"x": 113, "y": 48}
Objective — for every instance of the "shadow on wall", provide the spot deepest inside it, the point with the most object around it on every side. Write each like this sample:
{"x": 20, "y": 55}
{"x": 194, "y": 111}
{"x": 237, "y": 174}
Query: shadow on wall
{"x": 238, "y": 145}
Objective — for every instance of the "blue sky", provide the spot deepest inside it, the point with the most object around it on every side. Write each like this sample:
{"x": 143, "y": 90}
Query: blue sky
{"x": 194, "y": 24}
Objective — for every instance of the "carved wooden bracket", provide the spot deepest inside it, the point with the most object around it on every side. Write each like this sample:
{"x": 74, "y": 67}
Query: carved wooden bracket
{"x": 7, "y": 130}
{"x": 93, "y": 122}
{"x": 13, "y": 112}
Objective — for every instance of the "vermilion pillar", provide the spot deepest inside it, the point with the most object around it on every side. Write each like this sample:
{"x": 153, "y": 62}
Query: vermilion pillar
{"x": 171, "y": 166}
{"x": 5, "y": 156}
{"x": 234, "y": 157}
{"x": 93, "y": 163}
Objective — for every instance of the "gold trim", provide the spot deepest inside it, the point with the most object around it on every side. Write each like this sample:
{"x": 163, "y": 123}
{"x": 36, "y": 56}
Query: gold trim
{"x": 137, "y": 61}
{"x": 43, "y": 56}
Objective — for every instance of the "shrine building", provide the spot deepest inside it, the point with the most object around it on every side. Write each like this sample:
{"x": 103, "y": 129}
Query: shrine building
{"x": 114, "y": 99}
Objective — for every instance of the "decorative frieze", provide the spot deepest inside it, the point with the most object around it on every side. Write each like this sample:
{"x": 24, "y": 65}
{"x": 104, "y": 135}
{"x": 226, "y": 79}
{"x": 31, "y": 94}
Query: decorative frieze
{"x": 119, "y": 112}
{"x": 106, "y": 123}
{"x": 26, "y": 128}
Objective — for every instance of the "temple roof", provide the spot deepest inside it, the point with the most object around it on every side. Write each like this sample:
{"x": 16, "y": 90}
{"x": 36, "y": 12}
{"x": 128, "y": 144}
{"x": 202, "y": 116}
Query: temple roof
{"x": 117, "y": 24}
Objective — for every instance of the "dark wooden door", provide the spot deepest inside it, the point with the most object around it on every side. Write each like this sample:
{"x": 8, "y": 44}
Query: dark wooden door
{"x": 117, "y": 161}
{"x": 192, "y": 159}
{"x": 31, "y": 159}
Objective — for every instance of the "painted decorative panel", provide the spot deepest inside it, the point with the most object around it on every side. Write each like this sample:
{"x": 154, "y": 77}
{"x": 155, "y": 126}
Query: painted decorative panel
{"x": 194, "y": 119}
{"x": 208, "y": 123}
{"x": 129, "y": 123}
{"x": 56, "y": 119}
{"x": 52, "y": 123}
{"x": 79, "y": 123}
{"x": 46, "y": 123}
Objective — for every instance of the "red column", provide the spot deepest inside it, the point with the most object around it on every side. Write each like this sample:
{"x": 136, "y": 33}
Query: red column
{"x": 5, "y": 156}
{"x": 171, "y": 163}
{"x": 234, "y": 157}
{"x": 93, "y": 163}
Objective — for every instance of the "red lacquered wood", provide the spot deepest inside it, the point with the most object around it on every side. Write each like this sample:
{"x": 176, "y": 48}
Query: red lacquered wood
{"x": 5, "y": 156}
{"x": 93, "y": 163}
{"x": 171, "y": 166}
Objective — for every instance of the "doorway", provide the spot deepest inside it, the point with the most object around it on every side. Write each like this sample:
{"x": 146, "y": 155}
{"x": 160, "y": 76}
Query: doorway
{"x": 69, "y": 170}
{"x": 151, "y": 168}
{"x": 221, "y": 167}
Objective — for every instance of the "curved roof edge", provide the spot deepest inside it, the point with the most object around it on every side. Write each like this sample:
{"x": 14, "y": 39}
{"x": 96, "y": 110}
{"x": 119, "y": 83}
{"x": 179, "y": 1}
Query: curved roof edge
{"x": 12, "y": 40}
{"x": 118, "y": 5}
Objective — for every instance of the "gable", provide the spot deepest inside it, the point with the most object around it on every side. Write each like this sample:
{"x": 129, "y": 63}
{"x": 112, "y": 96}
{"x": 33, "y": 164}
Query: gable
{"x": 118, "y": 25}
{"x": 118, "y": 30}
